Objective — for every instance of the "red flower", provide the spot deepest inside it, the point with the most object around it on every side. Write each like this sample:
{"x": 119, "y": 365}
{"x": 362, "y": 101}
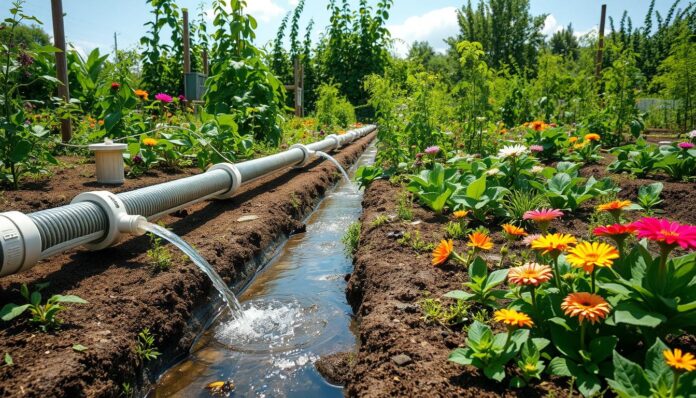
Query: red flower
{"x": 614, "y": 230}
{"x": 115, "y": 86}
{"x": 666, "y": 232}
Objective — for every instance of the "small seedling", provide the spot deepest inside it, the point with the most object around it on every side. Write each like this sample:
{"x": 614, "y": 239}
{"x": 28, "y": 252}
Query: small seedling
{"x": 145, "y": 348}
{"x": 379, "y": 221}
{"x": 455, "y": 230}
{"x": 8, "y": 359}
{"x": 159, "y": 255}
{"x": 415, "y": 242}
{"x": 79, "y": 348}
{"x": 127, "y": 390}
{"x": 351, "y": 239}
{"x": 294, "y": 201}
{"x": 43, "y": 315}
{"x": 404, "y": 206}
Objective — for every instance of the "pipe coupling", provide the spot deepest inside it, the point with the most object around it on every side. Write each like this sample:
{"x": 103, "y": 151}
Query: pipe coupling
{"x": 306, "y": 154}
{"x": 119, "y": 220}
{"x": 20, "y": 241}
{"x": 235, "y": 176}
{"x": 335, "y": 139}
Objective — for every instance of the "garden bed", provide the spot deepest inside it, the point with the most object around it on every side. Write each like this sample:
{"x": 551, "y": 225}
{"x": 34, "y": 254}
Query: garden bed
{"x": 126, "y": 294}
{"x": 402, "y": 354}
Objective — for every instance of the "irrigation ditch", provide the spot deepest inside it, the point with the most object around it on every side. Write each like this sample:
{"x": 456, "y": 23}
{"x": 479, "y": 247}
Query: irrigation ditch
{"x": 126, "y": 294}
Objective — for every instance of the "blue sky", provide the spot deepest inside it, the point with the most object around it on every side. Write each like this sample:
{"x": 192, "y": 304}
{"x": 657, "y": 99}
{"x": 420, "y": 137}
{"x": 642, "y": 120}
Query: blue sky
{"x": 92, "y": 23}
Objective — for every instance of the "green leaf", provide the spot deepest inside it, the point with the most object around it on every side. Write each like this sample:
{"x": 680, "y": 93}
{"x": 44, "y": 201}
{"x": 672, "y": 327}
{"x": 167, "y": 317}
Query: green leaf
{"x": 630, "y": 377}
{"x": 20, "y": 151}
{"x": 478, "y": 270}
{"x": 8, "y": 359}
{"x": 11, "y": 311}
{"x": 655, "y": 364}
{"x": 79, "y": 347}
{"x": 495, "y": 278}
{"x": 68, "y": 299}
{"x": 495, "y": 371}
{"x": 478, "y": 331}
{"x": 476, "y": 189}
{"x": 459, "y": 356}
{"x": 601, "y": 348}
{"x": 51, "y": 79}
{"x": 559, "y": 366}
{"x": 631, "y": 313}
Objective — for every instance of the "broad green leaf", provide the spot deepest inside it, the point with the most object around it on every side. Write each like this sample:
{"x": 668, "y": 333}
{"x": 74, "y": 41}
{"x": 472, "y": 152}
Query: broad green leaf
{"x": 459, "y": 295}
{"x": 79, "y": 347}
{"x": 631, "y": 313}
{"x": 459, "y": 356}
{"x": 68, "y": 299}
{"x": 477, "y": 188}
{"x": 11, "y": 311}
{"x": 601, "y": 348}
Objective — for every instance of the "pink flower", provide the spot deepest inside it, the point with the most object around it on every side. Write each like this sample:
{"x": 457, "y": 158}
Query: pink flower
{"x": 542, "y": 215}
{"x": 163, "y": 98}
{"x": 432, "y": 150}
{"x": 527, "y": 240}
{"x": 685, "y": 145}
{"x": 182, "y": 98}
{"x": 536, "y": 148}
{"x": 666, "y": 232}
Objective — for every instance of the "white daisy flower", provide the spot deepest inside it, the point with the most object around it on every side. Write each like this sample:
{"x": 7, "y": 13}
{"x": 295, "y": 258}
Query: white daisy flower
{"x": 512, "y": 151}
{"x": 537, "y": 169}
{"x": 492, "y": 172}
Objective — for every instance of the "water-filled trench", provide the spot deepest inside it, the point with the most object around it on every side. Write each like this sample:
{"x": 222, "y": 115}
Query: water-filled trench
{"x": 295, "y": 311}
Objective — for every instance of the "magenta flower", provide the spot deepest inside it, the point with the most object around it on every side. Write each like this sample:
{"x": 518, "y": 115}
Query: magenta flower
{"x": 685, "y": 145}
{"x": 432, "y": 150}
{"x": 665, "y": 232}
{"x": 542, "y": 217}
{"x": 182, "y": 98}
{"x": 162, "y": 97}
{"x": 536, "y": 148}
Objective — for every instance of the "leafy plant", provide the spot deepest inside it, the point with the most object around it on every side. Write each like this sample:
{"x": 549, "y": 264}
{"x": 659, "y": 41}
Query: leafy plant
{"x": 43, "y": 315}
{"x": 655, "y": 380}
{"x": 351, "y": 239}
{"x": 517, "y": 202}
{"x": 482, "y": 285}
{"x": 530, "y": 364}
{"x": 145, "y": 346}
{"x": 639, "y": 159}
{"x": 415, "y": 241}
{"x": 475, "y": 195}
{"x": 649, "y": 196}
{"x": 159, "y": 255}
{"x": 434, "y": 187}
{"x": 566, "y": 192}
{"x": 379, "y": 221}
{"x": 365, "y": 175}
{"x": 489, "y": 352}
{"x": 404, "y": 205}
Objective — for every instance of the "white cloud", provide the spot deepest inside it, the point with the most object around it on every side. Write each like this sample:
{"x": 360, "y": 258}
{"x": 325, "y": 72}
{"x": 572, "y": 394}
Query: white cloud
{"x": 433, "y": 26}
{"x": 293, "y": 2}
{"x": 262, "y": 10}
{"x": 551, "y": 26}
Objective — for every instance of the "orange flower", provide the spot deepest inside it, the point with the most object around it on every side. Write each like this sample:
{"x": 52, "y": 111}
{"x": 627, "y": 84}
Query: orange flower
{"x": 592, "y": 137}
{"x": 142, "y": 94}
{"x": 553, "y": 243}
{"x": 149, "y": 142}
{"x": 459, "y": 214}
{"x": 480, "y": 240}
{"x": 573, "y": 140}
{"x": 679, "y": 361}
{"x": 615, "y": 205}
{"x": 585, "y": 306}
{"x": 538, "y": 125}
{"x": 513, "y": 318}
{"x": 513, "y": 231}
{"x": 588, "y": 255}
{"x": 530, "y": 274}
{"x": 442, "y": 252}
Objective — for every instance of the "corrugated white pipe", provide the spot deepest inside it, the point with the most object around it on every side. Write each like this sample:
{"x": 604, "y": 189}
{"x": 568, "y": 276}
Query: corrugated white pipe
{"x": 98, "y": 219}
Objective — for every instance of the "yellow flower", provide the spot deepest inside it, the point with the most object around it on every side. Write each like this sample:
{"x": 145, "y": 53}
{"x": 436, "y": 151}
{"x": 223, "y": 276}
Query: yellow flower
{"x": 530, "y": 274}
{"x": 479, "y": 240}
{"x": 442, "y": 252}
{"x": 459, "y": 214}
{"x": 586, "y": 306}
{"x": 587, "y": 255}
{"x": 553, "y": 243}
{"x": 514, "y": 231}
{"x": 149, "y": 142}
{"x": 592, "y": 137}
{"x": 579, "y": 145}
{"x": 573, "y": 140}
{"x": 615, "y": 205}
{"x": 513, "y": 318}
{"x": 680, "y": 361}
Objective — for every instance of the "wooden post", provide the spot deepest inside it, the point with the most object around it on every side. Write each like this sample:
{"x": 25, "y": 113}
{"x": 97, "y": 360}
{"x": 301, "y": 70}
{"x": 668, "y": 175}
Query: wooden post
{"x": 187, "y": 50}
{"x": 205, "y": 61}
{"x": 61, "y": 64}
{"x": 298, "y": 87}
{"x": 600, "y": 44}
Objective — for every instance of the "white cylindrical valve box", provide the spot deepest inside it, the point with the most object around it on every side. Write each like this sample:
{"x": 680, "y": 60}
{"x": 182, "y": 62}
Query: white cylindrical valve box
{"x": 109, "y": 160}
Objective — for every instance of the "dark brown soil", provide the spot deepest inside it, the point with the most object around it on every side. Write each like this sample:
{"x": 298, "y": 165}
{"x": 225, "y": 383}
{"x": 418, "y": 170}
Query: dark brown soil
{"x": 126, "y": 294}
{"x": 335, "y": 368}
{"x": 389, "y": 281}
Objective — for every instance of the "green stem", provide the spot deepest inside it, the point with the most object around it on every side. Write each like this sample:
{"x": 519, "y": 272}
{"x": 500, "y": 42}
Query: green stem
{"x": 675, "y": 383}
{"x": 556, "y": 272}
{"x": 534, "y": 305}
{"x": 582, "y": 336}
{"x": 593, "y": 280}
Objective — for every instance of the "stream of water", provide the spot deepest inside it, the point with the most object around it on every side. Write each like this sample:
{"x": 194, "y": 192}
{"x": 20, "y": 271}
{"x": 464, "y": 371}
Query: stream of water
{"x": 294, "y": 311}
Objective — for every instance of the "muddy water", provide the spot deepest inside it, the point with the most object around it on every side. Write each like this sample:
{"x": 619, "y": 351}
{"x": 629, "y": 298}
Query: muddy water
{"x": 295, "y": 311}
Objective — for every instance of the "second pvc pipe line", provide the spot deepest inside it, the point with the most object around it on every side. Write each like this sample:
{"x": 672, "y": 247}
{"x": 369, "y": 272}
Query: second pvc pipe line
{"x": 98, "y": 219}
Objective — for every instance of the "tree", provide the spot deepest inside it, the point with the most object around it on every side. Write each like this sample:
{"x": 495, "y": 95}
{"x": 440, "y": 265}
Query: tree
{"x": 565, "y": 43}
{"x": 24, "y": 36}
{"x": 509, "y": 34}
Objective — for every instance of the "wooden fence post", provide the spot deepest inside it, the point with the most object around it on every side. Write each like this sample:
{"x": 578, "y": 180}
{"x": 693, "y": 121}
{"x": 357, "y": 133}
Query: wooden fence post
{"x": 61, "y": 64}
{"x": 600, "y": 44}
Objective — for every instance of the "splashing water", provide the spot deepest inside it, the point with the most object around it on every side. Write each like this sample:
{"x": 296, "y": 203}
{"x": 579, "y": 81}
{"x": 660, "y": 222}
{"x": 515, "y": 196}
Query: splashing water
{"x": 343, "y": 171}
{"x": 218, "y": 283}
